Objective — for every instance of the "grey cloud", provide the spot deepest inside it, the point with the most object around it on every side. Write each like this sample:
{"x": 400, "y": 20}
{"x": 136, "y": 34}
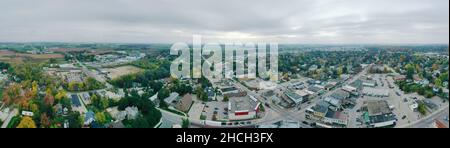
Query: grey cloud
{"x": 286, "y": 21}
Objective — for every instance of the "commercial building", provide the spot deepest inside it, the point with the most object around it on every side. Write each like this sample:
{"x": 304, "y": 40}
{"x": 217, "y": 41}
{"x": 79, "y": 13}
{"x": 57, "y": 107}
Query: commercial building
{"x": 232, "y": 92}
{"x": 243, "y": 108}
{"x": 292, "y": 98}
{"x": 378, "y": 114}
{"x": 375, "y": 92}
{"x": 325, "y": 114}
{"x": 350, "y": 89}
{"x": 369, "y": 83}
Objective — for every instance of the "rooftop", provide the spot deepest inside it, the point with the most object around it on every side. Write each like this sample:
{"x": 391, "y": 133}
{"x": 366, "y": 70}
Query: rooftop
{"x": 340, "y": 94}
{"x": 172, "y": 98}
{"x": 242, "y": 104}
{"x": 75, "y": 101}
{"x": 378, "y": 108}
{"x": 321, "y": 107}
{"x": 228, "y": 89}
{"x": 294, "y": 97}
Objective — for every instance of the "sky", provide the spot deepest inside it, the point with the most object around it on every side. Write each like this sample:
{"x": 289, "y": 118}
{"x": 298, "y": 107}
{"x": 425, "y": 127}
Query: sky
{"x": 281, "y": 21}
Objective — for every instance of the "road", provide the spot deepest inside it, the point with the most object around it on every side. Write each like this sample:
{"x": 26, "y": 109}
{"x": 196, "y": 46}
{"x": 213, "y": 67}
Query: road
{"x": 425, "y": 122}
{"x": 94, "y": 75}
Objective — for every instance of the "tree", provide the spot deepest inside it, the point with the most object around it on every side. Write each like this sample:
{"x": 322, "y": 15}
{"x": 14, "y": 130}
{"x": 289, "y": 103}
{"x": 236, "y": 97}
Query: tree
{"x": 226, "y": 99}
{"x": 410, "y": 72}
{"x": 163, "y": 93}
{"x": 402, "y": 58}
{"x": 26, "y": 122}
{"x": 49, "y": 99}
{"x": 34, "y": 89}
{"x": 438, "y": 83}
{"x": 435, "y": 67}
{"x": 92, "y": 84}
{"x": 100, "y": 117}
{"x": 156, "y": 85}
{"x": 75, "y": 120}
{"x": 12, "y": 94}
{"x": 60, "y": 95}
{"x": 45, "y": 121}
{"x": 72, "y": 86}
{"x": 422, "y": 109}
{"x": 140, "y": 122}
{"x": 418, "y": 68}
{"x": 28, "y": 71}
{"x": 185, "y": 123}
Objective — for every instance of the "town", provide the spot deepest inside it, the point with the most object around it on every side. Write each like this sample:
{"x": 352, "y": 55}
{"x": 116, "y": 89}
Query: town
{"x": 62, "y": 85}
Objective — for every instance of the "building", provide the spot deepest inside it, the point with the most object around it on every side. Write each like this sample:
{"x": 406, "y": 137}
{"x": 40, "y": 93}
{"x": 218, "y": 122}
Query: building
{"x": 374, "y": 92}
{"x": 400, "y": 78}
{"x": 350, "y": 89}
{"x": 74, "y": 76}
{"x": 378, "y": 114}
{"x": 438, "y": 124}
{"x": 86, "y": 98}
{"x": 331, "y": 85}
{"x": 243, "y": 108}
{"x": 172, "y": 99}
{"x": 292, "y": 98}
{"x": 232, "y": 92}
{"x": 340, "y": 95}
{"x": 185, "y": 103}
{"x": 89, "y": 118}
{"x": 324, "y": 114}
{"x": 369, "y": 83}
{"x": 336, "y": 118}
{"x": 313, "y": 68}
{"x": 316, "y": 89}
{"x": 75, "y": 100}
{"x": 297, "y": 85}
{"x": 304, "y": 94}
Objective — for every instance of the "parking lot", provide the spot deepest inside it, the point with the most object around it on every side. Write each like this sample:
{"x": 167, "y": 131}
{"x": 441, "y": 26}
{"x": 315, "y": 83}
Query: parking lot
{"x": 196, "y": 110}
{"x": 217, "y": 109}
{"x": 400, "y": 102}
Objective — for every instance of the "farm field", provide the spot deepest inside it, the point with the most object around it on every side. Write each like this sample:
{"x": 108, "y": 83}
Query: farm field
{"x": 17, "y": 58}
{"x": 122, "y": 70}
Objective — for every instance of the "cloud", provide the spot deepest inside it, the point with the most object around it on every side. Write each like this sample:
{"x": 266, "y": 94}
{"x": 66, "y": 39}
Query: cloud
{"x": 167, "y": 21}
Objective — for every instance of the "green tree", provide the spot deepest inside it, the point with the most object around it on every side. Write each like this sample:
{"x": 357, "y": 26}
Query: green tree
{"x": 438, "y": 83}
{"x": 226, "y": 99}
{"x": 163, "y": 93}
{"x": 185, "y": 123}
{"x": 75, "y": 120}
{"x": 100, "y": 117}
{"x": 410, "y": 71}
{"x": 422, "y": 109}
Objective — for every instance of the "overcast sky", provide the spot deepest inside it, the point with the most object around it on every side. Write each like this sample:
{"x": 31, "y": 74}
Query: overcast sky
{"x": 283, "y": 21}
